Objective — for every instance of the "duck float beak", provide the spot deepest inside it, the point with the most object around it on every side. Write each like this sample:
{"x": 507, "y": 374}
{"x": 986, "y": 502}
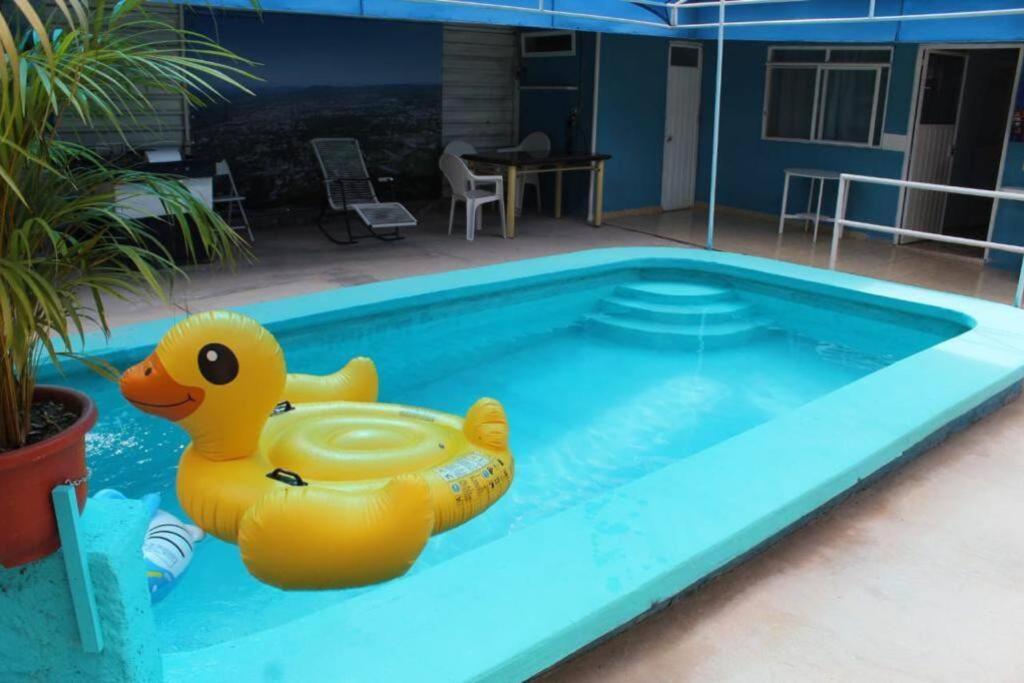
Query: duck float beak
{"x": 151, "y": 389}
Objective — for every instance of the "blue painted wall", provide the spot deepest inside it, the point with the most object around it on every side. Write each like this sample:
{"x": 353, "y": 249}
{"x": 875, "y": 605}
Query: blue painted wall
{"x": 631, "y": 119}
{"x": 549, "y": 111}
{"x": 751, "y": 169}
{"x": 1009, "y": 225}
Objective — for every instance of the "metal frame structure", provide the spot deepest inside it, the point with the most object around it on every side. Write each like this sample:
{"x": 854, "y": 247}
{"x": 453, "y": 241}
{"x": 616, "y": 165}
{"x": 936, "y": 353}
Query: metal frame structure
{"x": 674, "y": 7}
{"x": 841, "y": 221}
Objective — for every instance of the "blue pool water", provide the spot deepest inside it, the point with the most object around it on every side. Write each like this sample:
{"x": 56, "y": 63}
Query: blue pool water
{"x": 605, "y": 380}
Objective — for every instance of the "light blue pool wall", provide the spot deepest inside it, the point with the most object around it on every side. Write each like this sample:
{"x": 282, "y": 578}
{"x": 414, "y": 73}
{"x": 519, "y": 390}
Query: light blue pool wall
{"x": 39, "y": 638}
{"x": 114, "y": 529}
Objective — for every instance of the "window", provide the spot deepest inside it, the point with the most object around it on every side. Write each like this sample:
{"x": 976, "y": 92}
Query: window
{"x": 549, "y": 44}
{"x": 826, "y": 94}
{"x": 684, "y": 56}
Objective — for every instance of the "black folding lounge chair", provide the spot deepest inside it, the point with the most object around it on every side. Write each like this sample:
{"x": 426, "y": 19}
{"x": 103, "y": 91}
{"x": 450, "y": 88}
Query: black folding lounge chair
{"x": 348, "y": 188}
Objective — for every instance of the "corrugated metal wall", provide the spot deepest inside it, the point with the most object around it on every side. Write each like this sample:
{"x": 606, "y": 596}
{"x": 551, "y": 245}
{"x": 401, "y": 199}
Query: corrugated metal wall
{"x": 165, "y": 126}
{"x": 479, "y": 86}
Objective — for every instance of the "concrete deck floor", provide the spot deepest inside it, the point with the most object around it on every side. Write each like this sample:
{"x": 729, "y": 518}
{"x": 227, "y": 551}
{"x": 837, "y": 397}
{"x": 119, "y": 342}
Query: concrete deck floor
{"x": 919, "y": 578}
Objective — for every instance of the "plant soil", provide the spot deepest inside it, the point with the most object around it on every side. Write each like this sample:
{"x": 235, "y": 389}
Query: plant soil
{"x": 46, "y": 419}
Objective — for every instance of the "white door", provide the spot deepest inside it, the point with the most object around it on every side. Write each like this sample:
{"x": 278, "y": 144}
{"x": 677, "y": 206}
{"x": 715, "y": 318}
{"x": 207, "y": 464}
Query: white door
{"x": 931, "y": 155}
{"x": 682, "y": 115}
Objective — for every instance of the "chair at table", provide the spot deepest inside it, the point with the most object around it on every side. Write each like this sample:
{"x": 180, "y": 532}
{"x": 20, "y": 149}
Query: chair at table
{"x": 464, "y": 183}
{"x": 225, "y": 193}
{"x": 459, "y": 148}
{"x": 349, "y": 188}
{"x": 537, "y": 143}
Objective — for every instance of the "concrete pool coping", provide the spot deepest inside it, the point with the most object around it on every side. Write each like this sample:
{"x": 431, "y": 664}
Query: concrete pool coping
{"x": 518, "y": 605}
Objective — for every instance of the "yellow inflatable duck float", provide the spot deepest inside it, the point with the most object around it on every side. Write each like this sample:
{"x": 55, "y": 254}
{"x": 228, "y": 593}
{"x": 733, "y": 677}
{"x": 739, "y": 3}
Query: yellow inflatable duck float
{"x": 320, "y": 486}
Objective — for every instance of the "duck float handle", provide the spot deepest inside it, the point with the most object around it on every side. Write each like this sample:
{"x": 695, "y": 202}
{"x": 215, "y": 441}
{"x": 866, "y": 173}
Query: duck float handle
{"x": 335, "y": 491}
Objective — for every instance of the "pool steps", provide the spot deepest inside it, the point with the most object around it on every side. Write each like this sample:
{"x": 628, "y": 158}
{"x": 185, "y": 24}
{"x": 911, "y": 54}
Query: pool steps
{"x": 675, "y": 315}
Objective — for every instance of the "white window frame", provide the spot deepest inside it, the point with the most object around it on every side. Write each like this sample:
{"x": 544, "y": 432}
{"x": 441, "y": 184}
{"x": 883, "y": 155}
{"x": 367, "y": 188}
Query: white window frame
{"x": 821, "y": 89}
{"x": 571, "y": 52}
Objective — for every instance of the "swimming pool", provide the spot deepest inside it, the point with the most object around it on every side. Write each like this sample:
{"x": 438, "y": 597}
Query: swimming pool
{"x": 670, "y": 411}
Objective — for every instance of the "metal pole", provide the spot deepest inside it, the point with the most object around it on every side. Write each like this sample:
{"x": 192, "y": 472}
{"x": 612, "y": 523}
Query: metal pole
{"x": 712, "y": 195}
{"x": 1020, "y": 286}
{"x": 837, "y": 225}
{"x": 930, "y": 16}
{"x": 593, "y": 122}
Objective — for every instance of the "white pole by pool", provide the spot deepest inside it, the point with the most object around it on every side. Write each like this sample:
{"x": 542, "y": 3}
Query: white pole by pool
{"x": 717, "y": 124}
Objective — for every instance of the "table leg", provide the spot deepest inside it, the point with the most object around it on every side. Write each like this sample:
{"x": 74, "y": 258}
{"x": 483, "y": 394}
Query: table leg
{"x": 810, "y": 203}
{"x": 782, "y": 211}
{"x": 510, "y": 202}
{"x": 817, "y": 216}
{"x": 599, "y": 194}
{"x": 558, "y": 194}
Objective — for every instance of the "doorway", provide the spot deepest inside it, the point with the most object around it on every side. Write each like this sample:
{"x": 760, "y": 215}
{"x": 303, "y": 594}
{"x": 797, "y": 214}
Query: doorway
{"x": 682, "y": 116}
{"x": 959, "y": 134}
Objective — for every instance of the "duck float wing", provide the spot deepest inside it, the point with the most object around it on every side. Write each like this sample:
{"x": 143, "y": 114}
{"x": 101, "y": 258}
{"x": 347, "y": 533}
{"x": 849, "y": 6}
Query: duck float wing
{"x": 486, "y": 425}
{"x": 357, "y": 381}
{"x": 391, "y": 525}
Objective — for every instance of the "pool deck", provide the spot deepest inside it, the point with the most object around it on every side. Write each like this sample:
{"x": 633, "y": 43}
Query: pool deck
{"x": 916, "y": 578}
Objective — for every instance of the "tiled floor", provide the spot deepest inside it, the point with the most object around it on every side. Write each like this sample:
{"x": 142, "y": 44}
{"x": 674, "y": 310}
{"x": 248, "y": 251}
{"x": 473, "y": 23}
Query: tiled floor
{"x": 298, "y": 260}
{"x": 919, "y": 578}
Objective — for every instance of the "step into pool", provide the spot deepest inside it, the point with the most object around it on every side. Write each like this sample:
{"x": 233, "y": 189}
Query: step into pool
{"x": 670, "y": 411}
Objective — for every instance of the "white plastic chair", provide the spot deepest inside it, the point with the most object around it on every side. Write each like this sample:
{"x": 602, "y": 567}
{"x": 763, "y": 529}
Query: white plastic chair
{"x": 459, "y": 148}
{"x": 161, "y": 155}
{"x": 537, "y": 143}
{"x": 232, "y": 198}
{"x": 463, "y": 183}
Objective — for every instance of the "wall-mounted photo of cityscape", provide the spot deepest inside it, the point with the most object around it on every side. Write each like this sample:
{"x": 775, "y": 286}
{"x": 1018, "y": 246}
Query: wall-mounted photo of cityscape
{"x": 378, "y": 82}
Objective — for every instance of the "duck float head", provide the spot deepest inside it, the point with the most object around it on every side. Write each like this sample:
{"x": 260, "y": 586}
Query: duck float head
{"x": 319, "y": 485}
{"x": 218, "y": 375}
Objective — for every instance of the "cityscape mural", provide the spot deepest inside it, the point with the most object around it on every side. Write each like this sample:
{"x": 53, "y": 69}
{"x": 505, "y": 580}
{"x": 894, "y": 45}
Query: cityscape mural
{"x": 378, "y": 82}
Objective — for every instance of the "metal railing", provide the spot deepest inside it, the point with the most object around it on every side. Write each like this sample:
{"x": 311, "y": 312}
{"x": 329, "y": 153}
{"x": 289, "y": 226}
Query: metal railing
{"x": 841, "y": 221}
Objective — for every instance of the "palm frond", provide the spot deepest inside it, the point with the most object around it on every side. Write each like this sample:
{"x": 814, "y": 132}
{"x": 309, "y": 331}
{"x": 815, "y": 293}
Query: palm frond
{"x": 64, "y": 246}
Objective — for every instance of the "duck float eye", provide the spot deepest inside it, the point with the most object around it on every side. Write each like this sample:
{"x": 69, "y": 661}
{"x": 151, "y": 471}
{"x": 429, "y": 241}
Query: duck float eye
{"x": 218, "y": 364}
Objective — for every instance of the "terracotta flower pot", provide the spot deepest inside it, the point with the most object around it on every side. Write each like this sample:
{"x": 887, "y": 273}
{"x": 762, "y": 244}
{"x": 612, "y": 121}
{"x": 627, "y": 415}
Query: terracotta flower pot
{"x": 28, "y": 526}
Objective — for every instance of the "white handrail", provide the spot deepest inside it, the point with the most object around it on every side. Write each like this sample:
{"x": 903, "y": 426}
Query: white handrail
{"x": 841, "y": 221}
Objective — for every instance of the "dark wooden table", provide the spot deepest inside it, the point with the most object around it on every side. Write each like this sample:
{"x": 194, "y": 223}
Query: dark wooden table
{"x": 516, "y": 163}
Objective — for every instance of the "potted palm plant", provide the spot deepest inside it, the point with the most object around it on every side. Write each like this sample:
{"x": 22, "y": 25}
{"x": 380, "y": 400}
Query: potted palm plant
{"x": 64, "y": 245}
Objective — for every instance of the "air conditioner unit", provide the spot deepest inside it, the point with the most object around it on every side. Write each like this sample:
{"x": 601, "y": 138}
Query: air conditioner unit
{"x": 548, "y": 43}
